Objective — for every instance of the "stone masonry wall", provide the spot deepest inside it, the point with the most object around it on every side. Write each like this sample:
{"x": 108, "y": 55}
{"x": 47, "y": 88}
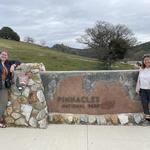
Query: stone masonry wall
{"x": 77, "y": 97}
{"x": 27, "y": 105}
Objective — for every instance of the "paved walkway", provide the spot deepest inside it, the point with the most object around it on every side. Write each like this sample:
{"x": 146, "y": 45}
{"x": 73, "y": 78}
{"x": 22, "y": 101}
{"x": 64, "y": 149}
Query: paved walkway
{"x": 76, "y": 137}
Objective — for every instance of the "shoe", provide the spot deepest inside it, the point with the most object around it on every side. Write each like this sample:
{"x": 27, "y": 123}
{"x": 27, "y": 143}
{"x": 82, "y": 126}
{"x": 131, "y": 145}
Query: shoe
{"x": 2, "y": 125}
{"x": 147, "y": 117}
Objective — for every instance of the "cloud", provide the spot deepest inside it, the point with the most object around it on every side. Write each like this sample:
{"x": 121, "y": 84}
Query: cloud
{"x": 62, "y": 21}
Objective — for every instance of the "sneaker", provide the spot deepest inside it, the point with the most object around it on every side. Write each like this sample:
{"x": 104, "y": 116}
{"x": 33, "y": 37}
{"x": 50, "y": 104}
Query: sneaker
{"x": 147, "y": 117}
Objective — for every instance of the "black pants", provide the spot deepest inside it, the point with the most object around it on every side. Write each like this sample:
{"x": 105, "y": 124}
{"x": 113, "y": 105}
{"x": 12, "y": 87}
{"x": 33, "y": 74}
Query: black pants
{"x": 145, "y": 98}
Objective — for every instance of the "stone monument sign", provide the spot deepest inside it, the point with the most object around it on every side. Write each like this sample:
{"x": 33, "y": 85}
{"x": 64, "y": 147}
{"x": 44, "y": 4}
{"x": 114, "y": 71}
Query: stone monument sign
{"x": 93, "y": 93}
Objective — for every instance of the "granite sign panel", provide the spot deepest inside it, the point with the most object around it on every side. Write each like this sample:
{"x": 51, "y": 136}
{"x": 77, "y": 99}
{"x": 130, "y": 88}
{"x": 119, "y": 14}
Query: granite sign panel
{"x": 91, "y": 93}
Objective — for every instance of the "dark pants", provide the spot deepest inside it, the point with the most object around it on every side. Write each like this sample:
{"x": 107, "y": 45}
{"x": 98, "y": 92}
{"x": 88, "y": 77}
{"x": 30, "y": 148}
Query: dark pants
{"x": 3, "y": 100}
{"x": 145, "y": 98}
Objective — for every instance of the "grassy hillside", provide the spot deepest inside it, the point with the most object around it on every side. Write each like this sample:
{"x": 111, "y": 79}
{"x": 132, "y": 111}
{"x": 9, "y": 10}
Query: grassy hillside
{"x": 53, "y": 60}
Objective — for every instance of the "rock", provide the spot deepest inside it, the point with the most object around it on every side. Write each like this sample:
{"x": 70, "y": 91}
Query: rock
{"x": 46, "y": 109}
{"x": 52, "y": 85}
{"x": 29, "y": 74}
{"x": 23, "y": 100}
{"x": 36, "y": 78}
{"x": 34, "y": 113}
{"x": 43, "y": 123}
{"x": 83, "y": 119}
{"x": 138, "y": 118}
{"x": 76, "y": 119}
{"x": 15, "y": 91}
{"x": 92, "y": 119}
{"x": 50, "y": 96}
{"x": 13, "y": 97}
{"x": 26, "y": 92}
{"x": 35, "y": 71}
{"x": 31, "y": 82}
{"x": 36, "y": 87}
{"x": 21, "y": 122}
{"x": 131, "y": 119}
{"x": 9, "y": 120}
{"x": 101, "y": 120}
{"x": 24, "y": 67}
{"x": 39, "y": 106}
{"x": 40, "y": 96}
{"x": 41, "y": 115}
{"x": 16, "y": 115}
{"x": 108, "y": 119}
{"x": 57, "y": 118}
{"x": 42, "y": 67}
{"x": 123, "y": 119}
{"x": 114, "y": 119}
{"x": 33, "y": 97}
{"x": 69, "y": 118}
{"x": 33, "y": 122}
{"x": 26, "y": 110}
{"x": 50, "y": 117}
{"x": 87, "y": 84}
{"x": 16, "y": 106}
{"x": 9, "y": 110}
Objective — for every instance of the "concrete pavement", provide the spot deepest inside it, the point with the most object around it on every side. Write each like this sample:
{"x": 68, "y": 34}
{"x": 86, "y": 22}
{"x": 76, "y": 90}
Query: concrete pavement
{"x": 76, "y": 137}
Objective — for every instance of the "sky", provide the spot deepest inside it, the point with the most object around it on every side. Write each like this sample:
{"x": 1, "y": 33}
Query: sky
{"x": 63, "y": 21}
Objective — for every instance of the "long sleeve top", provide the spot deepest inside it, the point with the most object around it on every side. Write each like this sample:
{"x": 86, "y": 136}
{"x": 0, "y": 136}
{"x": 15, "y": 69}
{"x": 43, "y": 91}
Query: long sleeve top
{"x": 143, "y": 81}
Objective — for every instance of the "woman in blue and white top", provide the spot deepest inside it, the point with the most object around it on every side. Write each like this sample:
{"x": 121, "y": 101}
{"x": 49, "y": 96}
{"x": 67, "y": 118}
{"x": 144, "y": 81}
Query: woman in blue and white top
{"x": 6, "y": 69}
{"x": 143, "y": 85}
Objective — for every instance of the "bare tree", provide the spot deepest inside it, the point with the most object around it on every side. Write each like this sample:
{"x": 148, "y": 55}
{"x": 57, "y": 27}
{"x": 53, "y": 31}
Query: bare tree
{"x": 29, "y": 39}
{"x": 110, "y": 41}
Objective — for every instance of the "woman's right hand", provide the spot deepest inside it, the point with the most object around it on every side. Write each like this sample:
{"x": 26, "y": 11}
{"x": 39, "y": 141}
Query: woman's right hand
{"x": 12, "y": 68}
{"x": 138, "y": 92}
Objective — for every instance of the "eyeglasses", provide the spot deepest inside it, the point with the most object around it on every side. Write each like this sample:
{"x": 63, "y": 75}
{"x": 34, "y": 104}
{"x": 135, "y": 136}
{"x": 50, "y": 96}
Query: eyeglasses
{"x": 4, "y": 54}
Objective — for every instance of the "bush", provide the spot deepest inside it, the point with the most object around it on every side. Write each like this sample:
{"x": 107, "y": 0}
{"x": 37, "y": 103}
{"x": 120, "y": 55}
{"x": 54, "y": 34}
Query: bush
{"x": 8, "y": 33}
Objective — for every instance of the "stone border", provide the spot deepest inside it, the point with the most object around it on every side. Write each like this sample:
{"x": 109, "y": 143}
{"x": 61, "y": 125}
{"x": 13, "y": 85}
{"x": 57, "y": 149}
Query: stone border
{"x": 108, "y": 119}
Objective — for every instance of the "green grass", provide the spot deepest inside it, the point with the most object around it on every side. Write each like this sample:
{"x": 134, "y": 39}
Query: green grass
{"x": 121, "y": 66}
{"x": 53, "y": 60}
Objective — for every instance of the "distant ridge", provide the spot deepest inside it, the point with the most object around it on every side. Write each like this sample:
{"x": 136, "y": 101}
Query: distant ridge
{"x": 137, "y": 52}
{"x": 81, "y": 52}
{"x": 134, "y": 53}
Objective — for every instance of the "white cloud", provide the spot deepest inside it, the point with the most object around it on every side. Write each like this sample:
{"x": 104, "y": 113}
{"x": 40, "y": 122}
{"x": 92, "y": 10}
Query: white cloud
{"x": 65, "y": 20}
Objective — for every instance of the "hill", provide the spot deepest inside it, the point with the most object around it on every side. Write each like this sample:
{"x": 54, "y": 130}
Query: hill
{"x": 138, "y": 51}
{"x": 135, "y": 53}
{"x": 26, "y": 52}
{"x": 52, "y": 59}
{"x": 81, "y": 52}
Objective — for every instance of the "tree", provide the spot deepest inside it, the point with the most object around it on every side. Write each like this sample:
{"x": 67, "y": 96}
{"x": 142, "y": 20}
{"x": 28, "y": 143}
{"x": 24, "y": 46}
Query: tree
{"x": 8, "y": 33}
{"x": 110, "y": 41}
{"x": 29, "y": 39}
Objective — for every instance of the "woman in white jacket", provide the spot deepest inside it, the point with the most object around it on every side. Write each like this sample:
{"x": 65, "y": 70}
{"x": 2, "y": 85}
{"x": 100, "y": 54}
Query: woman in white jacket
{"x": 143, "y": 85}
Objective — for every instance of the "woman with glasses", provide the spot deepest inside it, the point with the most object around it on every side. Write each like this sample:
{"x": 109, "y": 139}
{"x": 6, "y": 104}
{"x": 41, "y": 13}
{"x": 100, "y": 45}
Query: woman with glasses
{"x": 6, "y": 68}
